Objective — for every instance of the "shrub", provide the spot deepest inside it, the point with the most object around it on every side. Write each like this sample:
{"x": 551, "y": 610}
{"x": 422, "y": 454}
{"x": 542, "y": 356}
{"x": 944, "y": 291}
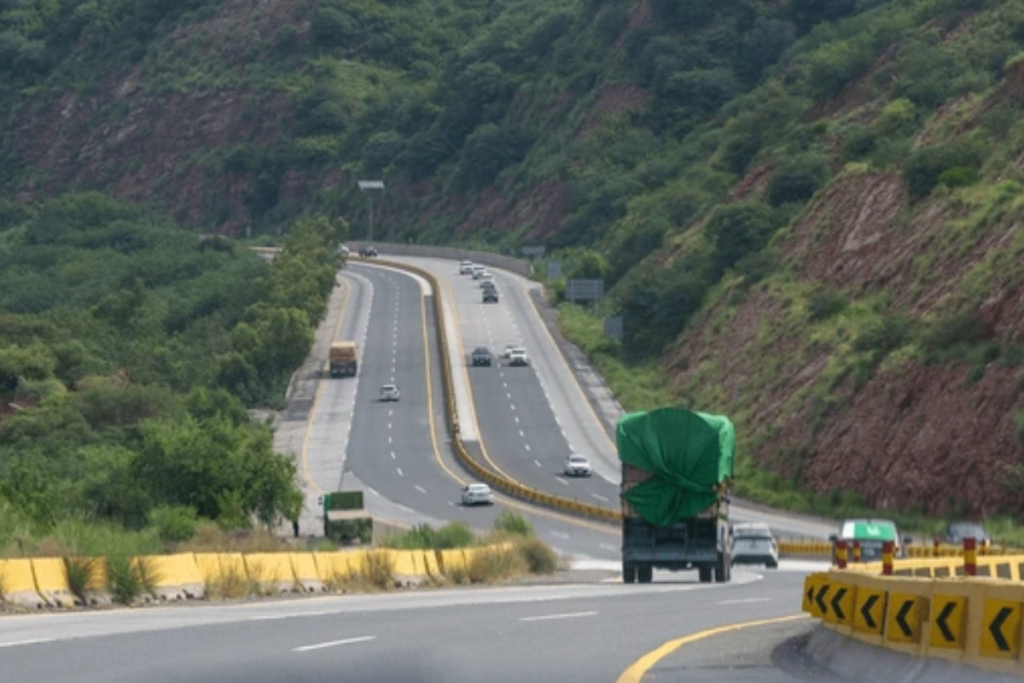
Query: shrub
{"x": 958, "y": 176}
{"x": 824, "y": 304}
{"x": 740, "y": 229}
{"x": 81, "y": 573}
{"x": 540, "y": 558}
{"x": 925, "y": 166}
{"x": 495, "y": 563}
{"x": 884, "y": 335}
{"x": 174, "y": 523}
{"x": 962, "y": 328}
{"x": 511, "y": 523}
{"x": 797, "y": 179}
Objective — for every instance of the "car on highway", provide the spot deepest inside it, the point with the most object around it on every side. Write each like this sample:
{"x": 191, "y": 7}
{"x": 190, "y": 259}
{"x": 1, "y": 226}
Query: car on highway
{"x": 478, "y": 271}
{"x": 477, "y": 494}
{"x": 466, "y": 268}
{"x": 481, "y": 356}
{"x": 871, "y": 534}
{"x": 389, "y": 392}
{"x": 509, "y": 348}
{"x": 343, "y": 250}
{"x": 367, "y": 251}
{"x": 958, "y": 531}
{"x": 577, "y": 465}
{"x": 518, "y": 357}
{"x": 490, "y": 296}
{"x": 487, "y": 281}
{"x": 754, "y": 544}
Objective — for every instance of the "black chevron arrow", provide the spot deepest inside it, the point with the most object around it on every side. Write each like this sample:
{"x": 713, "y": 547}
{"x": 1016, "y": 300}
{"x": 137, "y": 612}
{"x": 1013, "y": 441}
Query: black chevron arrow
{"x": 820, "y": 598}
{"x": 946, "y": 612}
{"x": 865, "y": 611}
{"x": 996, "y": 629}
{"x": 901, "y": 619}
{"x": 810, "y": 594}
{"x": 836, "y": 607}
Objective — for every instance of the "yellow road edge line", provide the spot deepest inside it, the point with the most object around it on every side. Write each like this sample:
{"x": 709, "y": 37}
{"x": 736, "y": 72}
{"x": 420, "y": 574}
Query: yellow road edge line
{"x": 637, "y": 670}
{"x": 561, "y": 356}
{"x": 469, "y": 388}
{"x": 430, "y": 391}
{"x": 311, "y": 420}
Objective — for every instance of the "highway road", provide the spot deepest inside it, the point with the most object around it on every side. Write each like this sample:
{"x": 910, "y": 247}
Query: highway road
{"x": 531, "y": 418}
{"x": 393, "y": 451}
{"x": 572, "y": 633}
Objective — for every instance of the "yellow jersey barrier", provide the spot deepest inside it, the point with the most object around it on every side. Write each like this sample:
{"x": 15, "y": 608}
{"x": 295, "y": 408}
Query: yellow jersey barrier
{"x": 969, "y": 620}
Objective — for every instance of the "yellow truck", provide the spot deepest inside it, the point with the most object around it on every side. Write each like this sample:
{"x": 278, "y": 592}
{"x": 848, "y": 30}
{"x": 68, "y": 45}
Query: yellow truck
{"x": 344, "y": 359}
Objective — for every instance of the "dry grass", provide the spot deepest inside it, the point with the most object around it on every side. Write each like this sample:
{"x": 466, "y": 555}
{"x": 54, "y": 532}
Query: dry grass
{"x": 540, "y": 558}
{"x": 457, "y": 575}
{"x": 230, "y": 585}
{"x": 81, "y": 574}
{"x": 378, "y": 569}
{"x": 496, "y": 563}
{"x": 210, "y": 538}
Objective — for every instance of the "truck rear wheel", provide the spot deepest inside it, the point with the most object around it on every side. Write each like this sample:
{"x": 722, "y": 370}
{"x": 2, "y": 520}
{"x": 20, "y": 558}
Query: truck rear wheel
{"x": 705, "y": 574}
{"x": 723, "y": 570}
{"x": 645, "y": 573}
{"x": 628, "y": 573}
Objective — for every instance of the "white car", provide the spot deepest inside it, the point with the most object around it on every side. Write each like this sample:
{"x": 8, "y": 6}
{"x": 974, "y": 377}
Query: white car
{"x": 518, "y": 357}
{"x": 477, "y": 494}
{"x": 754, "y": 544}
{"x": 478, "y": 272}
{"x": 487, "y": 280}
{"x": 389, "y": 392}
{"x": 577, "y": 465}
{"x": 509, "y": 349}
{"x": 466, "y": 268}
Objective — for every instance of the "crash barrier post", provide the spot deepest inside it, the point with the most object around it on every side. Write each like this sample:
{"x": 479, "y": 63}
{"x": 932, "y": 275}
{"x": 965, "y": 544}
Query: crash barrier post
{"x": 856, "y": 552}
{"x": 841, "y": 554}
{"x": 970, "y": 557}
{"x": 936, "y": 547}
{"x": 888, "y": 549}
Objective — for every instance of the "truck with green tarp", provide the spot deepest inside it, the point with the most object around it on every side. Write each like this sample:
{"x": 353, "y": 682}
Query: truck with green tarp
{"x": 677, "y": 466}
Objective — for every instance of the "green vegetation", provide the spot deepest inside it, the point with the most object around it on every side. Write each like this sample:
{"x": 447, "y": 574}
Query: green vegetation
{"x": 129, "y": 350}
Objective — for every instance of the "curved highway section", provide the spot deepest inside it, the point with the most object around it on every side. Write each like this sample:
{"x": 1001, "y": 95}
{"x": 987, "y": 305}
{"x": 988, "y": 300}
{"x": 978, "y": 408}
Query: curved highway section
{"x": 574, "y": 633}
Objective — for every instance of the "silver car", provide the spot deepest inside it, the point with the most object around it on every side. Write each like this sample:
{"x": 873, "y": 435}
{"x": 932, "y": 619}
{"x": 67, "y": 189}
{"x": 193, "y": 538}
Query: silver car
{"x": 754, "y": 544}
{"x": 466, "y": 268}
{"x": 477, "y": 494}
{"x": 577, "y": 465}
{"x": 389, "y": 392}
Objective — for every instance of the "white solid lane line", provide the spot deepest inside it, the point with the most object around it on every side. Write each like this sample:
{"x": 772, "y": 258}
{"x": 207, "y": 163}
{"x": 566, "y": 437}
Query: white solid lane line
{"x": 569, "y": 615}
{"x": 742, "y": 601}
{"x": 334, "y": 643}
{"x": 34, "y": 641}
{"x": 608, "y": 546}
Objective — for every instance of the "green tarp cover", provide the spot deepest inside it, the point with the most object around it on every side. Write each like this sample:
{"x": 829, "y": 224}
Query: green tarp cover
{"x": 687, "y": 453}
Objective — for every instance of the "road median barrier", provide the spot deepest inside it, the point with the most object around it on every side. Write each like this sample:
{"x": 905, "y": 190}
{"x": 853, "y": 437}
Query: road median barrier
{"x": 961, "y": 620}
{"x": 307, "y": 576}
{"x": 504, "y": 484}
{"x": 271, "y": 573}
{"x": 51, "y": 578}
{"x": 175, "y": 577}
{"x": 19, "y": 585}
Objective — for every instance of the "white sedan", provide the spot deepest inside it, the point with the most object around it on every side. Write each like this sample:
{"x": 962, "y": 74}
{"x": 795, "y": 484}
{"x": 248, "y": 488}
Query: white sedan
{"x": 389, "y": 392}
{"x": 477, "y": 494}
{"x": 754, "y": 544}
{"x": 577, "y": 465}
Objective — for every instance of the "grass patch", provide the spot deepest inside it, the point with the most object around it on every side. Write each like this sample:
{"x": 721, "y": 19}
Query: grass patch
{"x": 378, "y": 569}
{"x": 538, "y": 556}
{"x": 426, "y": 537}
{"x": 210, "y": 538}
{"x": 492, "y": 564}
{"x": 130, "y": 578}
{"x": 229, "y": 585}
{"x": 513, "y": 524}
{"x": 81, "y": 573}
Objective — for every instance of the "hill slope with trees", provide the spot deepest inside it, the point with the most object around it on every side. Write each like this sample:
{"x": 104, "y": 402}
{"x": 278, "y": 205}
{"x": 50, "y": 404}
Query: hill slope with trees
{"x": 806, "y": 211}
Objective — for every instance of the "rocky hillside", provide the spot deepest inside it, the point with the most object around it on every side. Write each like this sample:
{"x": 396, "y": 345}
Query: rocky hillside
{"x": 806, "y": 211}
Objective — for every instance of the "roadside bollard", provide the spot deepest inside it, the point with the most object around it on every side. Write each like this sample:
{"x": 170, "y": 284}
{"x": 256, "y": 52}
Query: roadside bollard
{"x": 888, "y": 549}
{"x": 856, "y": 552}
{"x": 841, "y": 554}
{"x": 970, "y": 557}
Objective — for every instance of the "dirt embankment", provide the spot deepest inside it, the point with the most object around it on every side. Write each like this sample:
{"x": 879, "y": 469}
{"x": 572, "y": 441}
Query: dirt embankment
{"x": 939, "y": 437}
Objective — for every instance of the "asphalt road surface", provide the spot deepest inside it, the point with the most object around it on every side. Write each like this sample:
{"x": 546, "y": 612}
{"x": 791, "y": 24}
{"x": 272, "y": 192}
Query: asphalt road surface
{"x": 584, "y": 633}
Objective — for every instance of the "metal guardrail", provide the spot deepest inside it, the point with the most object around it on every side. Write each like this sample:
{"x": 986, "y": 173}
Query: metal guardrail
{"x": 501, "y": 483}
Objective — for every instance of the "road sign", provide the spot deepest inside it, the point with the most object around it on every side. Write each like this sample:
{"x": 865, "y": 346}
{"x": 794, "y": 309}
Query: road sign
{"x": 840, "y": 604}
{"x": 869, "y": 614}
{"x": 1000, "y": 634}
{"x": 584, "y": 290}
{"x": 533, "y": 252}
{"x": 948, "y": 611}
{"x": 821, "y": 593}
{"x": 613, "y": 327}
{"x": 554, "y": 269}
{"x": 371, "y": 185}
{"x": 904, "y": 618}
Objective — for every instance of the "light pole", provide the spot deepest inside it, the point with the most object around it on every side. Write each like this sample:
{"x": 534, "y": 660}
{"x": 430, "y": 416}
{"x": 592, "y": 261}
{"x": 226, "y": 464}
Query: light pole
{"x": 366, "y": 186}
